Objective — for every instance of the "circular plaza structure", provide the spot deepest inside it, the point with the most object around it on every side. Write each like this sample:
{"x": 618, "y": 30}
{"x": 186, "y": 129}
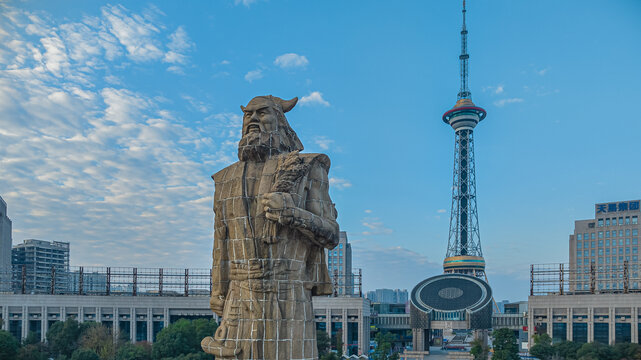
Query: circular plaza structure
{"x": 453, "y": 298}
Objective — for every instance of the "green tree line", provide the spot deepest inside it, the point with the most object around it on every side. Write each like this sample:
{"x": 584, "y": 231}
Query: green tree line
{"x": 71, "y": 340}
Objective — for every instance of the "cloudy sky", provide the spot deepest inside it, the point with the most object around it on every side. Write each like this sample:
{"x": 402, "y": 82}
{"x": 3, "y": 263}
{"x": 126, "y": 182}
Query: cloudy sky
{"x": 114, "y": 115}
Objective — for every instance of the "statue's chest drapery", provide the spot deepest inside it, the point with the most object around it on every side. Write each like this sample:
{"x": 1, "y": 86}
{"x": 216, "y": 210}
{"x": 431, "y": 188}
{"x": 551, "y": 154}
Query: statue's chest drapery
{"x": 238, "y": 202}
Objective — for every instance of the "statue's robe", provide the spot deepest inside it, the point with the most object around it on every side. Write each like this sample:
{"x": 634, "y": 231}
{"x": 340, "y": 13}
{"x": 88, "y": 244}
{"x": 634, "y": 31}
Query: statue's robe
{"x": 263, "y": 280}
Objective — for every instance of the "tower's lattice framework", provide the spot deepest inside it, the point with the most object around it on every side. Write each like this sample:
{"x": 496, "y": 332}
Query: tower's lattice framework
{"x": 464, "y": 254}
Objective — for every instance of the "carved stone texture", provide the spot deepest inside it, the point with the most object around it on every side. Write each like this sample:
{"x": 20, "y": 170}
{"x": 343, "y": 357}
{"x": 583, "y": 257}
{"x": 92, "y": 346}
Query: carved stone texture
{"x": 272, "y": 218}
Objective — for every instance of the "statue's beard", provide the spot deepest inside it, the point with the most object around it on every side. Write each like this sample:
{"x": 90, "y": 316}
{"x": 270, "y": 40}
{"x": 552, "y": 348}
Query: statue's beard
{"x": 259, "y": 146}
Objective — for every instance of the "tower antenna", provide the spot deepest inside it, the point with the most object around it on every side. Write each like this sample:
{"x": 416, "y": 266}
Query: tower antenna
{"x": 464, "y": 93}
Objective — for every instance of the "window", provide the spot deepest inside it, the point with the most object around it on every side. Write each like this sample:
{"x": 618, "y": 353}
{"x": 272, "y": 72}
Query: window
{"x": 614, "y": 259}
{"x": 600, "y": 243}
{"x": 600, "y": 223}
{"x": 635, "y": 232}
{"x": 635, "y": 220}
{"x": 340, "y": 260}
{"x": 627, "y": 220}
{"x": 607, "y": 234}
{"x": 634, "y": 258}
{"x": 620, "y": 242}
{"x": 607, "y": 260}
{"x": 592, "y": 236}
{"x": 340, "y": 246}
{"x": 600, "y": 234}
{"x": 585, "y": 253}
{"x": 607, "y": 222}
{"x": 592, "y": 244}
{"x": 607, "y": 243}
{"x": 635, "y": 241}
{"x": 607, "y": 251}
{"x": 620, "y": 251}
{"x": 578, "y": 245}
{"x": 620, "y": 220}
{"x": 585, "y": 236}
{"x": 600, "y": 260}
{"x": 578, "y": 237}
{"x": 627, "y": 241}
{"x": 578, "y": 253}
{"x": 627, "y": 232}
{"x": 600, "y": 251}
{"x": 591, "y": 252}
{"x": 627, "y": 251}
{"x": 635, "y": 250}
{"x": 620, "y": 232}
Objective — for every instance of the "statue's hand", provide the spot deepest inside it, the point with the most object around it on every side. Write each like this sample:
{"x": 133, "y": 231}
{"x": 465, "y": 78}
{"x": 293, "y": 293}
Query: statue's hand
{"x": 279, "y": 207}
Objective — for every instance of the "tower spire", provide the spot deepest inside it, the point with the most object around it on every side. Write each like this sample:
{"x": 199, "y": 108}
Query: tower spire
{"x": 464, "y": 93}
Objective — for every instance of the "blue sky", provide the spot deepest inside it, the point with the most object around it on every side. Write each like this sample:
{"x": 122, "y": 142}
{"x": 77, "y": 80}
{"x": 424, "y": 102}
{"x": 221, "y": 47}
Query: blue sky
{"x": 114, "y": 115}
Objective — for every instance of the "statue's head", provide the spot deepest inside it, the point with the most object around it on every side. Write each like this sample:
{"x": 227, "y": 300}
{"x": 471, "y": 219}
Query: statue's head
{"x": 266, "y": 131}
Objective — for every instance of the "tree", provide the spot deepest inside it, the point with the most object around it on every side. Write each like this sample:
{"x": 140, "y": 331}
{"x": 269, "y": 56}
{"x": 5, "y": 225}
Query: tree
{"x": 131, "y": 351}
{"x": 383, "y": 349}
{"x": 337, "y": 342}
{"x": 84, "y": 354}
{"x": 628, "y": 351}
{"x": 505, "y": 347}
{"x": 32, "y": 338}
{"x": 479, "y": 350}
{"x": 182, "y": 337}
{"x": 595, "y": 351}
{"x": 32, "y": 352}
{"x": 542, "y": 347}
{"x": 330, "y": 356}
{"x": 566, "y": 349}
{"x": 99, "y": 339}
{"x": 322, "y": 343}
{"x": 8, "y": 345}
{"x": 63, "y": 337}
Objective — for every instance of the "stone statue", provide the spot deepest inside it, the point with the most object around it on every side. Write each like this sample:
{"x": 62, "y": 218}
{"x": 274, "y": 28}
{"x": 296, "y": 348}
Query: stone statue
{"x": 273, "y": 217}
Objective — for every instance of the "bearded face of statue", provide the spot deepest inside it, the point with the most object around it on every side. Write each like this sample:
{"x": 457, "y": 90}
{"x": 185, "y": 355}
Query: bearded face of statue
{"x": 265, "y": 131}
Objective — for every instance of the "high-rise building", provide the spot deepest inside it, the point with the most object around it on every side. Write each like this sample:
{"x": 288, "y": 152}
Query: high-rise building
{"x": 604, "y": 251}
{"x": 464, "y": 253}
{"x": 339, "y": 264}
{"x": 389, "y": 296}
{"x": 38, "y": 260}
{"x": 5, "y": 248}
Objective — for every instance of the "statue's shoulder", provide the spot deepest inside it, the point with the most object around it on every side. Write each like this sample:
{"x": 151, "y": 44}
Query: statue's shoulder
{"x": 320, "y": 159}
{"x": 222, "y": 174}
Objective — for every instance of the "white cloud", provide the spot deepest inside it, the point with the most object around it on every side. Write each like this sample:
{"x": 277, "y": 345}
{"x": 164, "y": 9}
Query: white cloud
{"x": 246, "y": 3}
{"x": 134, "y": 32}
{"x": 314, "y": 98}
{"x": 110, "y": 169}
{"x": 375, "y": 226}
{"x": 441, "y": 211}
{"x": 368, "y": 211}
{"x": 339, "y": 183}
{"x": 178, "y": 45}
{"x": 499, "y": 89}
{"x": 323, "y": 142}
{"x": 503, "y": 102}
{"x": 291, "y": 60}
{"x": 542, "y": 71}
{"x": 254, "y": 75}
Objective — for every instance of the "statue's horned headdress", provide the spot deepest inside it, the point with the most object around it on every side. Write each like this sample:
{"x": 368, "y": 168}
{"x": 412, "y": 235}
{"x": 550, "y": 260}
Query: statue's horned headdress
{"x": 270, "y": 101}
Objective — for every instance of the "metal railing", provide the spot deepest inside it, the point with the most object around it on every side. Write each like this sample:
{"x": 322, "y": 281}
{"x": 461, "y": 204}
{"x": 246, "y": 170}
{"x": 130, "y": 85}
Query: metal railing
{"x": 130, "y": 281}
{"x": 561, "y": 279}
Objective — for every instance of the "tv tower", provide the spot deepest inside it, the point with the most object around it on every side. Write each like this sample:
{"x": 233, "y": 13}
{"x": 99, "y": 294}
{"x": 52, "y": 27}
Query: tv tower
{"x": 464, "y": 253}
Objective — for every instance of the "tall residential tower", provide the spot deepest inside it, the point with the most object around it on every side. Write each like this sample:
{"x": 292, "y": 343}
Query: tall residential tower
{"x": 464, "y": 253}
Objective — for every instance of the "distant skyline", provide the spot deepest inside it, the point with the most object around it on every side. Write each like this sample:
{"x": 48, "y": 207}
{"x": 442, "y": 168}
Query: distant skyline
{"x": 114, "y": 116}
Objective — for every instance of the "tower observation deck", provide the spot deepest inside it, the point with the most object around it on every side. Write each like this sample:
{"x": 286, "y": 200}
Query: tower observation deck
{"x": 464, "y": 254}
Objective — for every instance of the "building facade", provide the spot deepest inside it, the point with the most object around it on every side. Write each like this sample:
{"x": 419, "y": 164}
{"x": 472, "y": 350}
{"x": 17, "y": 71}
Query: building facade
{"x": 607, "y": 246}
{"x": 339, "y": 264}
{"x": 5, "y": 247}
{"x": 37, "y": 260}
{"x": 388, "y": 296}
